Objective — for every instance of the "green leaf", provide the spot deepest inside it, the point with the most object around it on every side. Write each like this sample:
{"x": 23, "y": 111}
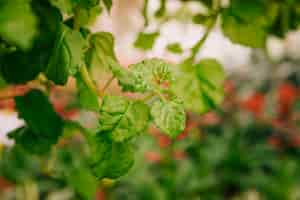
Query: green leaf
{"x": 31, "y": 107}
{"x": 122, "y": 118}
{"x": 111, "y": 159}
{"x": 20, "y": 67}
{"x": 18, "y": 23}
{"x": 88, "y": 16}
{"x": 175, "y": 48}
{"x": 17, "y": 166}
{"x": 145, "y": 41}
{"x": 151, "y": 74}
{"x": 65, "y": 6}
{"x": 88, "y": 98}
{"x": 200, "y": 86}
{"x": 162, "y": 9}
{"x": 40, "y": 133}
{"x": 108, "y": 4}
{"x": 31, "y": 142}
{"x": 248, "y": 34}
{"x": 202, "y": 19}
{"x": 102, "y": 47}
{"x": 67, "y": 56}
{"x": 169, "y": 116}
{"x": 72, "y": 165}
{"x": 126, "y": 79}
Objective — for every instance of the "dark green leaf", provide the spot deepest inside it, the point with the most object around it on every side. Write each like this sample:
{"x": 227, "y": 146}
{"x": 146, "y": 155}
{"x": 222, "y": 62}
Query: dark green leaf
{"x": 67, "y": 56}
{"x": 31, "y": 107}
{"x": 20, "y": 67}
{"x": 32, "y": 142}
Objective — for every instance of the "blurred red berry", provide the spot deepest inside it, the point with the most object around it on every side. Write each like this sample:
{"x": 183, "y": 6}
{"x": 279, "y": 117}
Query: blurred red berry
{"x": 179, "y": 155}
{"x": 153, "y": 157}
{"x": 254, "y": 103}
{"x": 164, "y": 141}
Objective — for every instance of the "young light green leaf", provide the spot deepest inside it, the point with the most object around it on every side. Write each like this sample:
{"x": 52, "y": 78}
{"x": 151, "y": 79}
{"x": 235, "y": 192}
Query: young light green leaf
{"x": 200, "y": 86}
{"x": 67, "y": 56}
{"x": 123, "y": 119}
{"x": 110, "y": 159}
{"x": 18, "y": 23}
{"x": 145, "y": 41}
{"x": 175, "y": 48}
{"x": 169, "y": 116}
{"x": 102, "y": 47}
{"x": 88, "y": 16}
{"x": 152, "y": 73}
{"x": 88, "y": 98}
{"x": 126, "y": 79}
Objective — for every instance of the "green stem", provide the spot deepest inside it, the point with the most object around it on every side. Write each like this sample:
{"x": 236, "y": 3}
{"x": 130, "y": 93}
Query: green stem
{"x": 27, "y": 191}
{"x": 149, "y": 96}
{"x": 87, "y": 79}
{"x": 107, "y": 84}
{"x": 145, "y": 12}
{"x": 202, "y": 40}
{"x": 76, "y": 24}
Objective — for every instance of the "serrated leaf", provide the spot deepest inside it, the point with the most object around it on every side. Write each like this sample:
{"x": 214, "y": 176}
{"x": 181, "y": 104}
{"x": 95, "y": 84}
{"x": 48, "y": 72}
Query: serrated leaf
{"x": 126, "y": 79}
{"x": 145, "y": 41}
{"x": 16, "y": 16}
{"x": 67, "y": 56}
{"x": 175, "y": 48}
{"x": 150, "y": 74}
{"x": 200, "y": 86}
{"x": 122, "y": 119}
{"x": 41, "y": 132}
{"x": 31, "y": 142}
{"x": 88, "y": 98}
{"x": 30, "y": 108}
{"x": 169, "y": 116}
{"x": 111, "y": 159}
